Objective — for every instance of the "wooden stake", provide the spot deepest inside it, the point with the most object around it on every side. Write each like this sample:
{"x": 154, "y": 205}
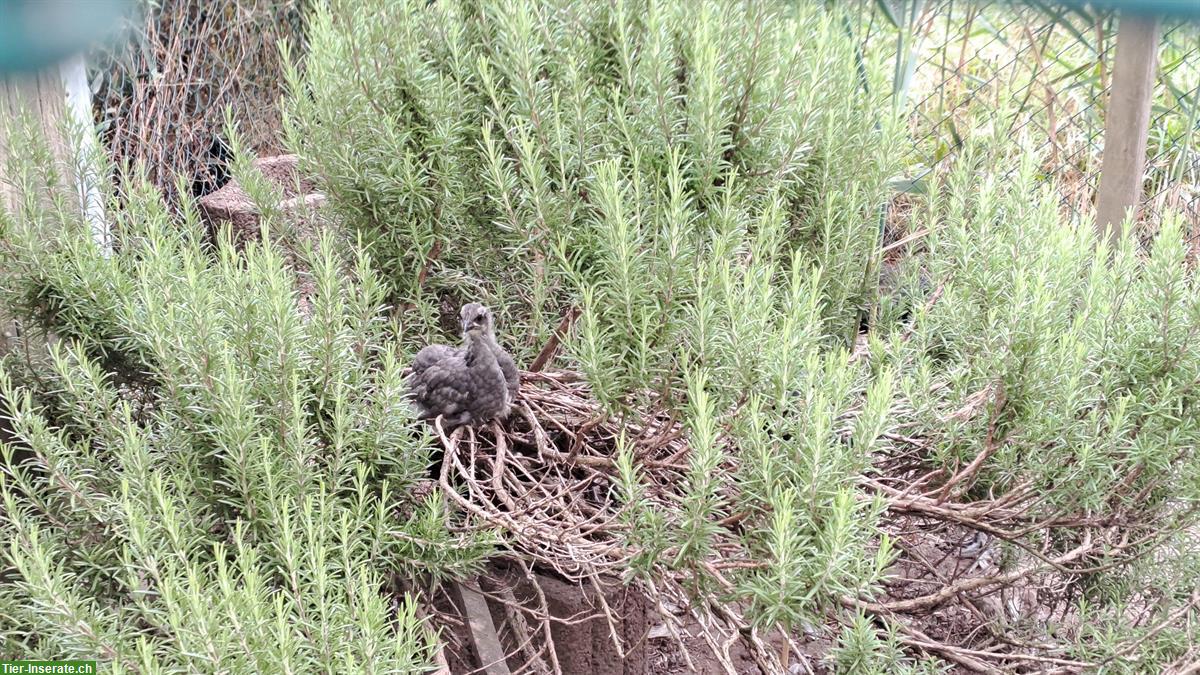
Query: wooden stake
{"x": 1128, "y": 124}
{"x": 492, "y": 658}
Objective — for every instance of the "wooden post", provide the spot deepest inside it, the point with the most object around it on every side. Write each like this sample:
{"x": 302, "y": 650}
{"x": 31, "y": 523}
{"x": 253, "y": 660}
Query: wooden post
{"x": 78, "y": 96}
{"x": 54, "y": 96}
{"x": 1128, "y": 124}
{"x": 41, "y": 96}
{"x": 492, "y": 660}
{"x": 57, "y": 97}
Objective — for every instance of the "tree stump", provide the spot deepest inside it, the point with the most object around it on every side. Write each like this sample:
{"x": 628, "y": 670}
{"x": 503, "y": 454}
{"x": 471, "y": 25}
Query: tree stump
{"x": 299, "y": 206}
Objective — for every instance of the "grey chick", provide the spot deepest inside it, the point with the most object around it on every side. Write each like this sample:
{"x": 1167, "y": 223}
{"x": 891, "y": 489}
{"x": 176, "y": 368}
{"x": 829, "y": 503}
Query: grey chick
{"x": 464, "y": 385}
{"x": 434, "y": 353}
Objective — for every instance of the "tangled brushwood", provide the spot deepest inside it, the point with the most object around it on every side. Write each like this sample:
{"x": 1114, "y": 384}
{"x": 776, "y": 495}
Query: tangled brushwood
{"x": 555, "y": 480}
{"x": 547, "y": 478}
{"x": 161, "y": 96}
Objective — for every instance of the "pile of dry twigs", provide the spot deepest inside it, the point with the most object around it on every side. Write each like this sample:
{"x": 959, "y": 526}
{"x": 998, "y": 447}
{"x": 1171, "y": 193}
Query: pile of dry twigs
{"x": 547, "y": 480}
{"x": 974, "y": 571}
{"x": 981, "y": 577}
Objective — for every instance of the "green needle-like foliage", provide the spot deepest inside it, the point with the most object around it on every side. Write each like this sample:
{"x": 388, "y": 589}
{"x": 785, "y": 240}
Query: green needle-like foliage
{"x": 202, "y": 473}
{"x": 543, "y": 151}
{"x": 197, "y": 477}
{"x": 703, "y": 180}
{"x": 1061, "y": 350}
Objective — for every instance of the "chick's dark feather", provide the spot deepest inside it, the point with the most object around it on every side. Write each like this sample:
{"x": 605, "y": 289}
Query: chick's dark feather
{"x": 433, "y": 354}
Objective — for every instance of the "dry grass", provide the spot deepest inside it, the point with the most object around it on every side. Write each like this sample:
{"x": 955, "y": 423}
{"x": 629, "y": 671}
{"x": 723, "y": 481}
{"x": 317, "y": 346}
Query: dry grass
{"x": 163, "y": 95}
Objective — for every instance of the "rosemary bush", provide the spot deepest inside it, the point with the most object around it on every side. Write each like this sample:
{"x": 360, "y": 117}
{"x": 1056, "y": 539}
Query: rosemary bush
{"x": 198, "y": 476}
{"x": 703, "y": 180}
{"x": 1081, "y": 353}
{"x": 537, "y": 153}
{"x": 1060, "y": 372}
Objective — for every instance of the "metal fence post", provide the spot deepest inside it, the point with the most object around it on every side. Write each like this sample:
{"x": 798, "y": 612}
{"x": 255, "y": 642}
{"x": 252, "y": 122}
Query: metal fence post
{"x": 1127, "y": 123}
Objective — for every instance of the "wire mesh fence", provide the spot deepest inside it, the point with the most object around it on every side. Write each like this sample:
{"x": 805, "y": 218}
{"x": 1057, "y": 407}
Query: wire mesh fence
{"x": 1044, "y": 71}
{"x": 161, "y": 95}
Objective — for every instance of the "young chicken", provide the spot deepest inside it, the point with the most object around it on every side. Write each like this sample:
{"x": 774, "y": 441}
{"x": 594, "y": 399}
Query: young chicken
{"x": 465, "y": 385}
